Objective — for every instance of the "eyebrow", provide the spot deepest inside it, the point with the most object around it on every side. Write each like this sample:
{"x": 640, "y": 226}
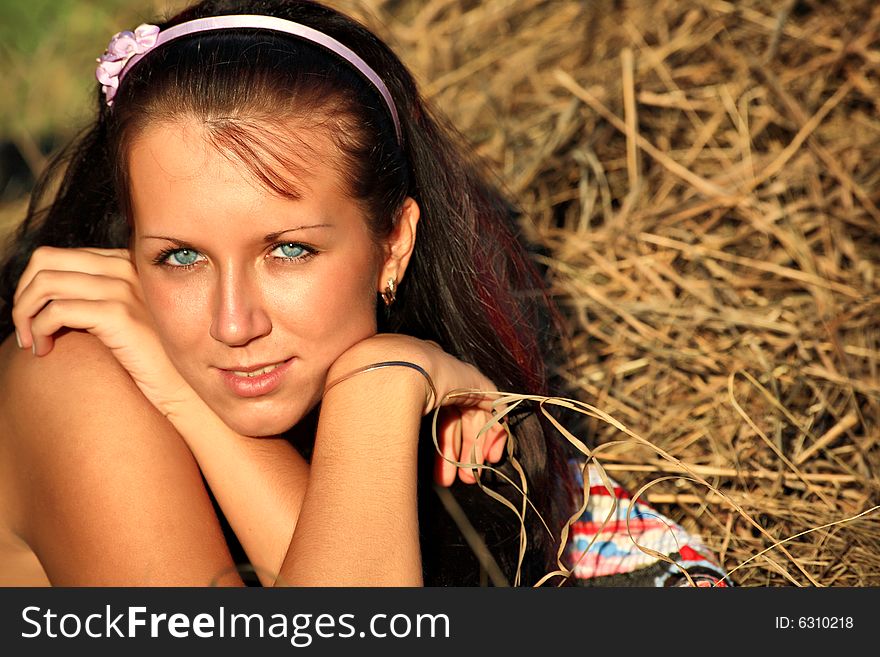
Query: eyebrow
{"x": 268, "y": 238}
{"x": 272, "y": 237}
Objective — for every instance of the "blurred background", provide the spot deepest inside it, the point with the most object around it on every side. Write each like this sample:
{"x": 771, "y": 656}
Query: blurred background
{"x": 705, "y": 179}
{"x": 47, "y": 48}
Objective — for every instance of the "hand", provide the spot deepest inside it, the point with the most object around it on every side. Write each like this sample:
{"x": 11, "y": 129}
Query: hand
{"x": 96, "y": 290}
{"x": 462, "y": 416}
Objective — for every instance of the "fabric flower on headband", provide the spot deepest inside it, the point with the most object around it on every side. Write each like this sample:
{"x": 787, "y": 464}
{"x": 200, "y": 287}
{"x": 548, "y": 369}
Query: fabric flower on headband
{"x": 123, "y": 46}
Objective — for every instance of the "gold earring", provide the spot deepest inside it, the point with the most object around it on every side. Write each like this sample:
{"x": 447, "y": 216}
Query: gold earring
{"x": 388, "y": 295}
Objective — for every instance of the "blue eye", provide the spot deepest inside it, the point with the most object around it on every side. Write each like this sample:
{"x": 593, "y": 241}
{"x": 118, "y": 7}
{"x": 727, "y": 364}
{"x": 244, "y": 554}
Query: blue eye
{"x": 182, "y": 258}
{"x": 291, "y": 251}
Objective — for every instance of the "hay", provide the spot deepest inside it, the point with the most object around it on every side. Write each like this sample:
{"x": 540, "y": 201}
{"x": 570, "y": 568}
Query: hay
{"x": 704, "y": 177}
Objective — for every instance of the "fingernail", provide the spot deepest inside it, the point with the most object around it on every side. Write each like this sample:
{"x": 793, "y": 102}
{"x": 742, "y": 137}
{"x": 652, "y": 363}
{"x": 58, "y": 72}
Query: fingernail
{"x": 34, "y": 348}
{"x": 17, "y": 339}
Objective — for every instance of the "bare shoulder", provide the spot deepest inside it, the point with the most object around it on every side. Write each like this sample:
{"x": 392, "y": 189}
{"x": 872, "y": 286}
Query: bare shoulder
{"x": 78, "y": 366}
{"x": 78, "y": 389}
{"x": 95, "y": 480}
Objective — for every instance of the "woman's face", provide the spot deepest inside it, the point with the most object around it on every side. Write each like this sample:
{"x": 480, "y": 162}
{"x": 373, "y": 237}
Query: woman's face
{"x": 253, "y": 295}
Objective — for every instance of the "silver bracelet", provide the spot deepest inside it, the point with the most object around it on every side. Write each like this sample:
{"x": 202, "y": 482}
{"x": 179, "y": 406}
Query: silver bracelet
{"x": 390, "y": 363}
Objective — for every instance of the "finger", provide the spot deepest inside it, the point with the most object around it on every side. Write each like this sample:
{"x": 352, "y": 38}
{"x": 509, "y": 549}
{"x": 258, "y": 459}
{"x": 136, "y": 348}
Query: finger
{"x": 50, "y": 285}
{"x": 72, "y": 313}
{"x": 93, "y": 261}
{"x": 472, "y": 422}
{"x": 449, "y": 437}
{"x": 495, "y": 446}
{"x": 125, "y": 254}
{"x": 72, "y": 260}
{"x": 47, "y": 285}
{"x": 493, "y": 434}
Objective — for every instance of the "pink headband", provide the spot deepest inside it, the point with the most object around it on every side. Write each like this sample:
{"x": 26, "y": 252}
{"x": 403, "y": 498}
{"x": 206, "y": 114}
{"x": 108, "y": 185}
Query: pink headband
{"x": 127, "y": 48}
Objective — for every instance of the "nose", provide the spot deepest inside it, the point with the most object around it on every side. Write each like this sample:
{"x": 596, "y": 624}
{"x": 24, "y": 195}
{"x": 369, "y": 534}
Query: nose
{"x": 239, "y": 314}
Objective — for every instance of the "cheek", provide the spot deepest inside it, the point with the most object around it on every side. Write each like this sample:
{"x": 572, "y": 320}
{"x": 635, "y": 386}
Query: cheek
{"x": 333, "y": 308}
{"x": 179, "y": 310}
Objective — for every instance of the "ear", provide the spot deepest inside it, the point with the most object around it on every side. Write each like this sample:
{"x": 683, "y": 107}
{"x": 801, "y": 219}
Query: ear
{"x": 399, "y": 246}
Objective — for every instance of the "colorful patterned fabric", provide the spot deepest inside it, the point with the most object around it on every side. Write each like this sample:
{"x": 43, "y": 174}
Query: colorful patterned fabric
{"x": 604, "y": 553}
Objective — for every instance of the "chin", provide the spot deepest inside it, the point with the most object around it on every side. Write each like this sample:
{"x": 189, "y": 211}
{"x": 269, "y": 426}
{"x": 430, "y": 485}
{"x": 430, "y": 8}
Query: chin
{"x": 258, "y": 429}
{"x": 262, "y": 420}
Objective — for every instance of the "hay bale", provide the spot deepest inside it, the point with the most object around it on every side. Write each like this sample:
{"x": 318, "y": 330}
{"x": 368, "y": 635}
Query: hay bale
{"x": 705, "y": 177}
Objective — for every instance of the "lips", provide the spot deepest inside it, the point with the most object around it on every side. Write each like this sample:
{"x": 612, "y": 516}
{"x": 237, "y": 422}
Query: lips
{"x": 257, "y": 371}
{"x": 255, "y": 380}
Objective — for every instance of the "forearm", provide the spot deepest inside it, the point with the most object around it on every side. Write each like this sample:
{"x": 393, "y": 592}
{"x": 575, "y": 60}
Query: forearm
{"x": 359, "y": 522}
{"x": 259, "y": 483}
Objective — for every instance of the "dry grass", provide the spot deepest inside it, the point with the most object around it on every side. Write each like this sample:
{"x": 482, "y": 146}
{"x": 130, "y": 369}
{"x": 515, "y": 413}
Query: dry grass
{"x": 705, "y": 176}
{"x": 706, "y": 179}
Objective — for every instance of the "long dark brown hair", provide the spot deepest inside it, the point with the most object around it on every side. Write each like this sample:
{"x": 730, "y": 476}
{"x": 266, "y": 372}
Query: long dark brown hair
{"x": 471, "y": 284}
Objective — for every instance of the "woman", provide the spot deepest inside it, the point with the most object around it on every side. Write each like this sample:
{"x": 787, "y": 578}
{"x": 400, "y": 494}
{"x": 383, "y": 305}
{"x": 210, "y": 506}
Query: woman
{"x": 210, "y": 271}
{"x": 174, "y": 137}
